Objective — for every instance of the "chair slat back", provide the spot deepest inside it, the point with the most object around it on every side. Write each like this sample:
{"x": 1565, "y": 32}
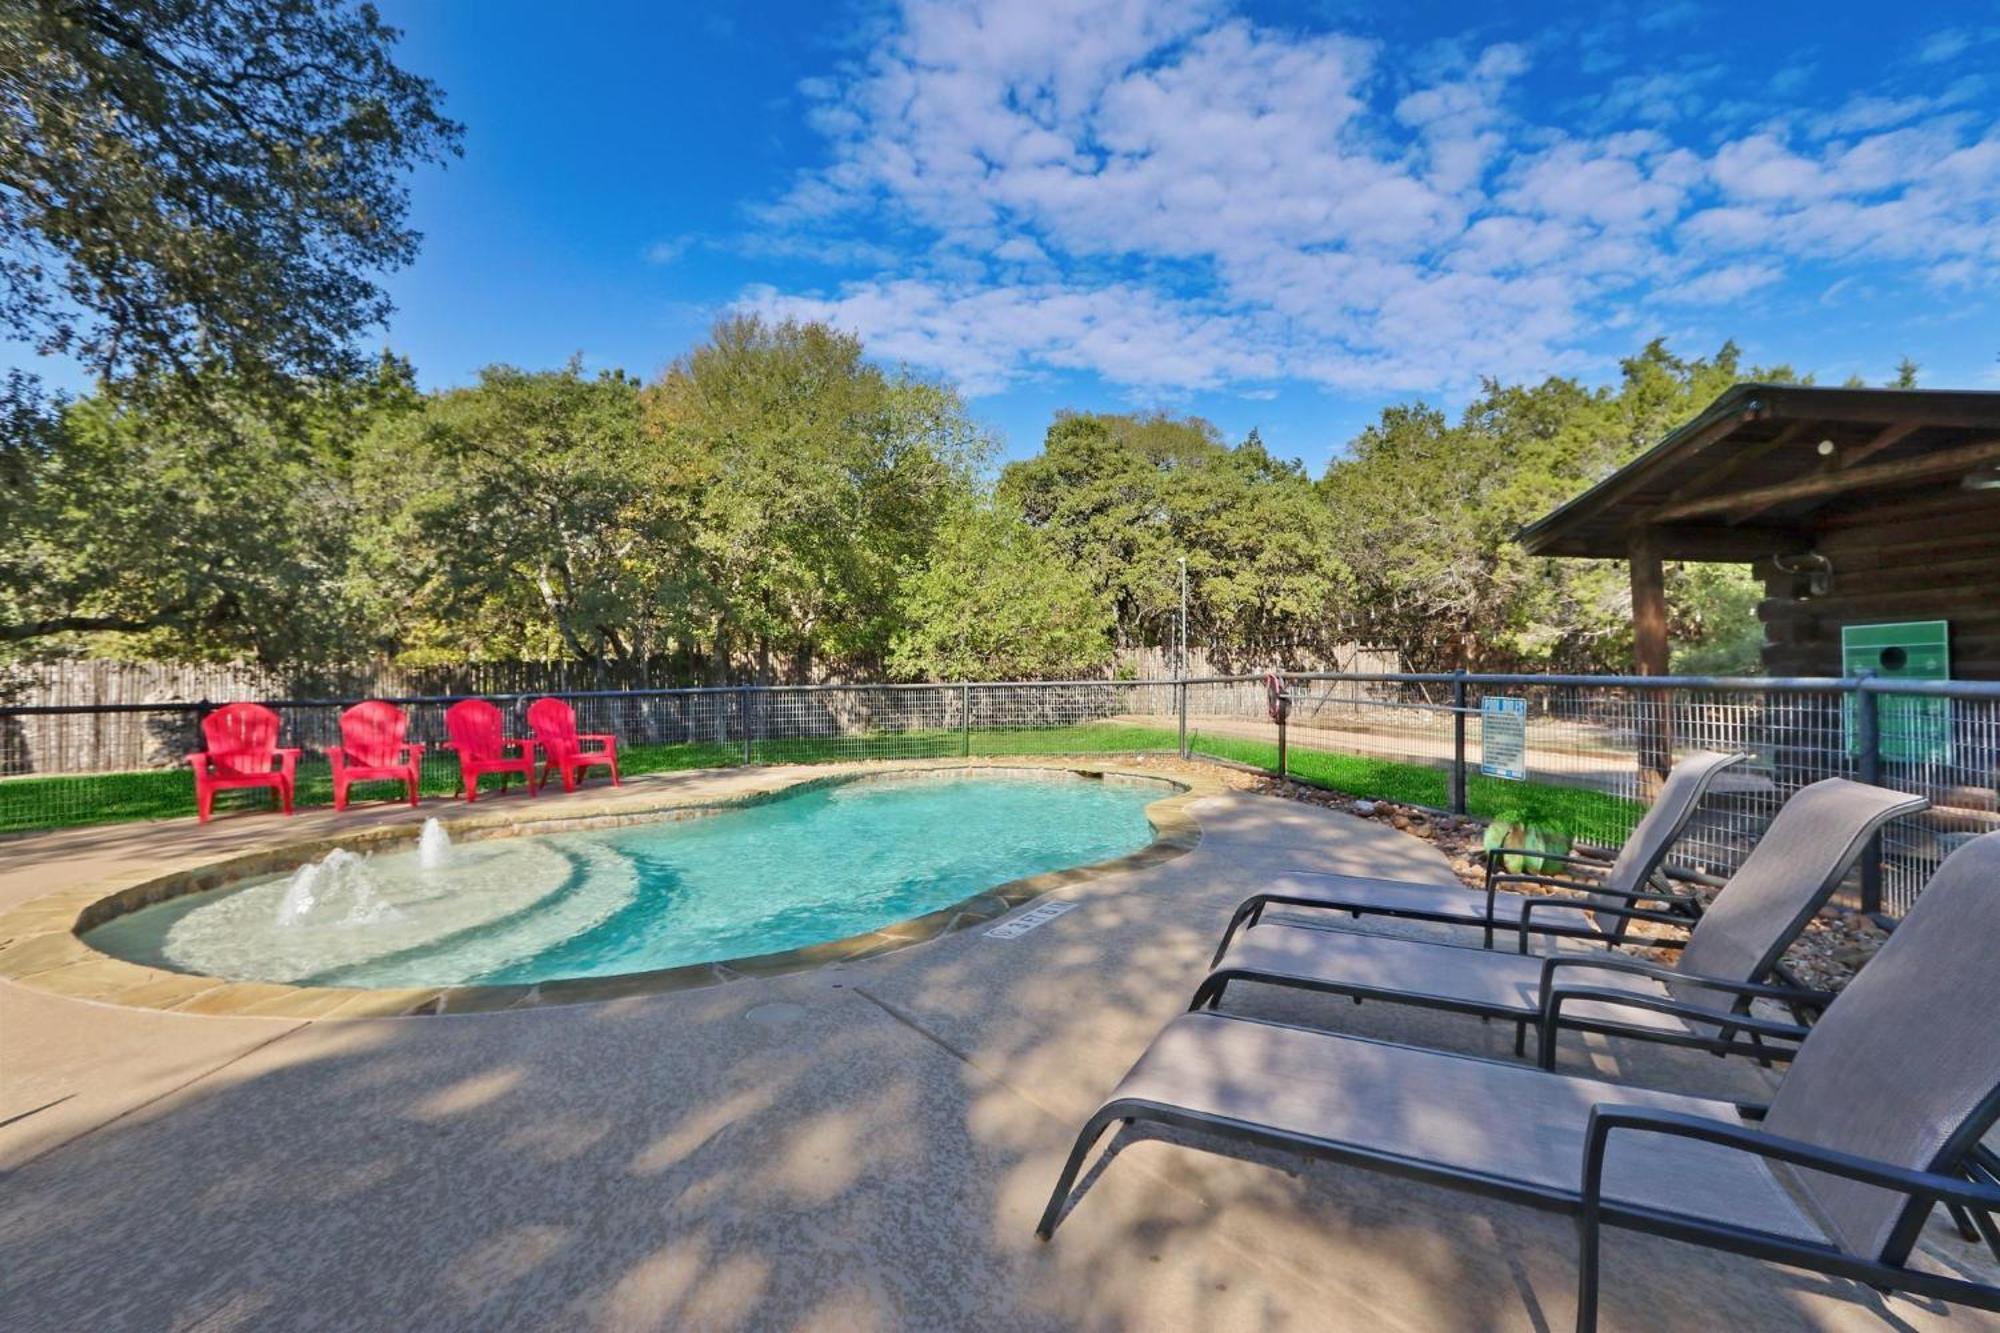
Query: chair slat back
{"x": 476, "y": 728}
{"x": 241, "y": 738}
{"x": 1904, "y": 1067}
{"x": 372, "y": 734}
{"x": 1662, "y": 825}
{"x": 1806, "y": 850}
{"x": 554, "y": 725}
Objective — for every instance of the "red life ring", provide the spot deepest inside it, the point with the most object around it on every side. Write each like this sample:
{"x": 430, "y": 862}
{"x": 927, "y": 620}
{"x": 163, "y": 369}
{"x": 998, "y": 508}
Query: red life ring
{"x": 1275, "y": 701}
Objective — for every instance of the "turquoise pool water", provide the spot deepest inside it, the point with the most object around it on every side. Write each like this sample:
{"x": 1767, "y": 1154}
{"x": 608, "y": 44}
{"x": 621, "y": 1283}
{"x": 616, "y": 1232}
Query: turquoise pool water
{"x": 816, "y": 865}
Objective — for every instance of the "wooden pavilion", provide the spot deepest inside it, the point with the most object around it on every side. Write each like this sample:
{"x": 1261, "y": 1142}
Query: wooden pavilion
{"x": 1855, "y": 506}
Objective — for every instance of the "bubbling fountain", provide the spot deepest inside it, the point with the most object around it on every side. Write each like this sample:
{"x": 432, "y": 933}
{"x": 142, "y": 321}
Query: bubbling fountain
{"x": 433, "y": 845}
{"x": 342, "y": 878}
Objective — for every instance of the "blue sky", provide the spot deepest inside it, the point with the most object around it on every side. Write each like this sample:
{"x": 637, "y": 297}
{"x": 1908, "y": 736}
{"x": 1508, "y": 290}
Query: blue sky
{"x": 1274, "y": 215}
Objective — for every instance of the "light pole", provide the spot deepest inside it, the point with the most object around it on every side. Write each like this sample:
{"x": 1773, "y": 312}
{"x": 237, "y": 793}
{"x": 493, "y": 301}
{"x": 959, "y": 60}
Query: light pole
{"x": 1181, "y": 704}
{"x": 1182, "y": 654}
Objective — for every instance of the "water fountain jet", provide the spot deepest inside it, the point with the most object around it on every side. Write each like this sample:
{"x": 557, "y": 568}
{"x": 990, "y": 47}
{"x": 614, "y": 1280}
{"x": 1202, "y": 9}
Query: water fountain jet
{"x": 433, "y": 845}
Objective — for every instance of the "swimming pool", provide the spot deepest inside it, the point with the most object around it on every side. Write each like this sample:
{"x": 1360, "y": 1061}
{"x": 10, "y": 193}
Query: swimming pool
{"x": 819, "y": 863}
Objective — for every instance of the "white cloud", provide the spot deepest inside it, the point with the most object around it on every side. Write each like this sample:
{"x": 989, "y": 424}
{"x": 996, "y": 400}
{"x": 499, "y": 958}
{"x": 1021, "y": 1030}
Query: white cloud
{"x": 1947, "y": 44}
{"x": 985, "y": 337}
{"x": 1719, "y": 286}
{"x": 669, "y": 250}
{"x": 1171, "y": 196}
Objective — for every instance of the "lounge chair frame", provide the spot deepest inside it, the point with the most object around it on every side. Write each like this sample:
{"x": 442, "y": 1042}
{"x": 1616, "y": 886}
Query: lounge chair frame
{"x": 1947, "y": 1182}
{"x": 1681, "y": 909}
{"x": 1548, "y": 1021}
{"x": 1548, "y": 1018}
{"x": 1678, "y": 907}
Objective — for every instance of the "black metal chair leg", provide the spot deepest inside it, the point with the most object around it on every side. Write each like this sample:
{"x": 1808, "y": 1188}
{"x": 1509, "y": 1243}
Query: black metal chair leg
{"x": 1228, "y": 936}
{"x": 1758, "y": 1042}
{"x": 1208, "y": 994}
{"x": 1586, "y": 1269}
{"x": 1092, "y": 1130}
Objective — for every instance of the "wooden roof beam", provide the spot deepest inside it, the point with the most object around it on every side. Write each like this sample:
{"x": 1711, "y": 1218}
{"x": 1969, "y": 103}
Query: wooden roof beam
{"x": 1942, "y": 463}
{"x": 1883, "y": 439}
{"x": 1727, "y": 545}
{"x": 1889, "y": 435}
{"x": 1735, "y": 462}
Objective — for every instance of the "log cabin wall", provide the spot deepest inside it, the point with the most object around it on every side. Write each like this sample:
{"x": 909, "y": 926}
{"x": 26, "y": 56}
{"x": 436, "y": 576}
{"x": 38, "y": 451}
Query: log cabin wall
{"x": 1929, "y": 555}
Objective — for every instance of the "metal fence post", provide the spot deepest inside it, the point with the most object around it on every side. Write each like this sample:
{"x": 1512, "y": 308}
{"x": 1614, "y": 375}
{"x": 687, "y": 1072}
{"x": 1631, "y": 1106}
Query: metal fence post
{"x": 1868, "y": 768}
{"x": 965, "y": 719}
{"x": 1181, "y": 708}
{"x": 1458, "y": 742}
{"x": 743, "y": 694}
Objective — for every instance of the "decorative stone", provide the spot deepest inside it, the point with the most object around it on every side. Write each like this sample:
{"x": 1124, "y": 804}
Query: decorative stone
{"x": 1366, "y": 809}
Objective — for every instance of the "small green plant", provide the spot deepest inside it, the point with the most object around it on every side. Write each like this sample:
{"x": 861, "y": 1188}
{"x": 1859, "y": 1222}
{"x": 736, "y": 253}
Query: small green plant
{"x": 1524, "y": 848}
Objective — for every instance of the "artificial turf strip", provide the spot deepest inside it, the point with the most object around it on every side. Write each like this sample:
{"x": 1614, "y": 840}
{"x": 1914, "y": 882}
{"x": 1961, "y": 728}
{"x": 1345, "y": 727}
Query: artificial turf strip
{"x": 62, "y": 802}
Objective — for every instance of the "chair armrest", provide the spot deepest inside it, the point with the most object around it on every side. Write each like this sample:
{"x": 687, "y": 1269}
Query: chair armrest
{"x": 1252, "y": 908}
{"x": 1932, "y": 1185}
{"x": 1551, "y": 881}
{"x": 288, "y": 760}
{"x": 337, "y": 756}
{"x": 413, "y": 754}
{"x": 1648, "y": 895}
{"x": 1585, "y": 859}
{"x": 1553, "y": 1022}
{"x": 1603, "y": 909}
{"x": 1494, "y": 881}
{"x": 1257, "y": 901}
{"x": 200, "y": 761}
{"x": 1640, "y": 967}
{"x": 603, "y": 737}
{"x": 1492, "y": 855}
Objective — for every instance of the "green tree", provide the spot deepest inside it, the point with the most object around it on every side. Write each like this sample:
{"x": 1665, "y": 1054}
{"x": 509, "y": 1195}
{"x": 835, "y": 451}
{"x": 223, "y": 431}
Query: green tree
{"x": 995, "y": 599}
{"x": 214, "y": 535}
{"x": 808, "y": 478}
{"x": 205, "y": 184}
{"x": 1424, "y": 512}
{"x": 520, "y": 518}
{"x": 1126, "y": 497}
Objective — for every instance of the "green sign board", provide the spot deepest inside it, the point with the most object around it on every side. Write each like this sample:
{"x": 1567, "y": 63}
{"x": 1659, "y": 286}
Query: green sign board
{"x": 1912, "y": 729}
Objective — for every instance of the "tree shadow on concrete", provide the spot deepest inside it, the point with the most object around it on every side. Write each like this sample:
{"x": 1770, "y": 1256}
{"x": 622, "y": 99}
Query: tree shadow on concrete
{"x": 865, "y": 1146}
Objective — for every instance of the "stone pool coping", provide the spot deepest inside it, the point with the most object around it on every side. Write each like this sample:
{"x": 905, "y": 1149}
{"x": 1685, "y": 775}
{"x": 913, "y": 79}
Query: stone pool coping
{"x": 41, "y": 945}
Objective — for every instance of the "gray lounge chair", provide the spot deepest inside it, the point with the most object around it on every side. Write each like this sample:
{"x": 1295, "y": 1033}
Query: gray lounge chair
{"x": 1704, "y": 1002}
{"x": 1611, "y": 902}
{"x": 1877, "y": 1121}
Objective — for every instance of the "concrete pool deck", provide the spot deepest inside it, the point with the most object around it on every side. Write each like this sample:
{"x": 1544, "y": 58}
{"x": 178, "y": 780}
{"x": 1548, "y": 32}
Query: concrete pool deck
{"x": 862, "y": 1146}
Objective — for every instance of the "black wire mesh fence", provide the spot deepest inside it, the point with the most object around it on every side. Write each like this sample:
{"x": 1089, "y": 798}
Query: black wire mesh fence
{"x": 1580, "y": 753}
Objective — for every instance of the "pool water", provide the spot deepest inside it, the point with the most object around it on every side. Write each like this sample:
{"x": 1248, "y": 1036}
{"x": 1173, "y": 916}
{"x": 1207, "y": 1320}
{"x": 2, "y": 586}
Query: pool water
{"x": 811, "y": 866}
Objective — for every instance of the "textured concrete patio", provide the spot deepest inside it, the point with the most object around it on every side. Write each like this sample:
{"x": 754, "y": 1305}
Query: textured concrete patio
{"x": 863, "y": 1146}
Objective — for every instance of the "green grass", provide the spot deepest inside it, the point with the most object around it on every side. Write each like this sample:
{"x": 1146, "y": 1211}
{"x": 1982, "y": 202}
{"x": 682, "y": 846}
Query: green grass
{"x": 1591, "y": 815}
{"x": 58, "y": 802}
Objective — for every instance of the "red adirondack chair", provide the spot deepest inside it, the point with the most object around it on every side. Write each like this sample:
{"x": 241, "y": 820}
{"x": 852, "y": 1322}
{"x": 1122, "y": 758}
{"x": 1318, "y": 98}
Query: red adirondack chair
{"x": 554, "y": 725}
{"x": 372, "y": 749}
{"x": 479, "y": 738}
{"x": 242, "y": 742}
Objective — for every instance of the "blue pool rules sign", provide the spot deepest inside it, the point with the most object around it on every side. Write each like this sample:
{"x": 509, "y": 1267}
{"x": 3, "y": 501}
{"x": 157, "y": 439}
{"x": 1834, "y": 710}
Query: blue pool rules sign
{"x": 1503, "y": 738}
